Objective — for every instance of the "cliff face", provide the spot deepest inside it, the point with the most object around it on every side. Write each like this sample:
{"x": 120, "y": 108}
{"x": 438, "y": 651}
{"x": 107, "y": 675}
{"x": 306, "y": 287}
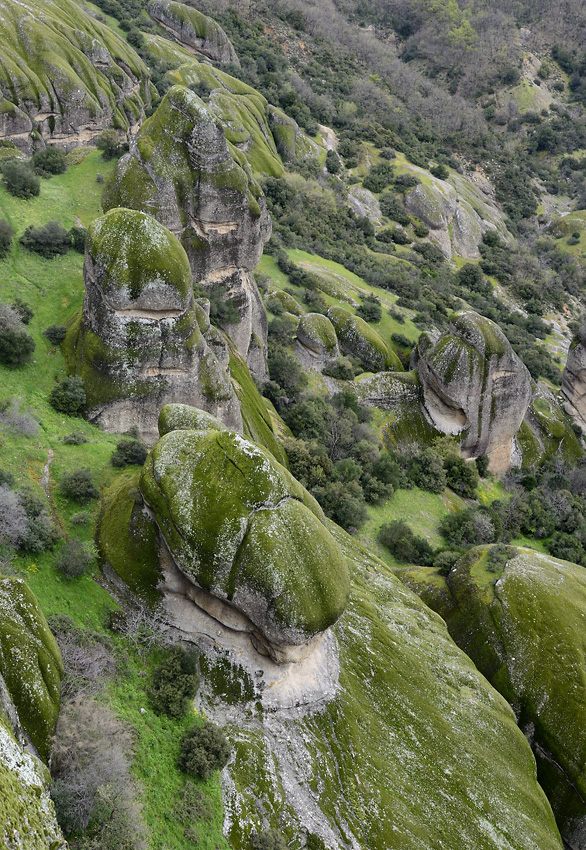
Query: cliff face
{"x": 181, "y": 170}
{"x": 574, "y": 379}
{"x": 64, "y": 76}
{"x": 194, "y": 31}
{"x": 142, "y": 340}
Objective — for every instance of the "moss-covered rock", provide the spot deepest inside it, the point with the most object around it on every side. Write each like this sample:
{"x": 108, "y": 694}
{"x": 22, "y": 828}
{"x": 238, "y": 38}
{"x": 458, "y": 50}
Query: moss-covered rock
{"x": 523, "y": 626}
{"x": 139, "y": 343}
{"x": 182, "y": 417}
{"x": 238, "y": 525}
{"x": 67, "y": 72}
{"x": 193, "y": 30}
{"x": 356, "y": 337}
{"x": 30, "y": 662}
{"x": 474, "y": 385}
{"x": 317, "y": 335}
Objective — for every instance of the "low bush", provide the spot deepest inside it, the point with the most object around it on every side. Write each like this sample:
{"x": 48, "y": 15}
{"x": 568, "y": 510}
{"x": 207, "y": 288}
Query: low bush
{"x": 50, "y": 161}
{"x": 203, "y": 750}
{"x": 174, "y": 683}
{"x": 16, "y": 344}
{"x": 76, "y": 438}
{"x": 20, "y": 179}
{"x": 6, "y": 234}
{"x": 68, "y": 396}
{"x": 129, "y": 450}
{"x": 55, "y": 334}
{"x": 79, "y": 486}
{"x": 49, "y": 240}
{"x": 77, "y": 237}
{"x": 370, "y": 310}
{"x": 23, "y": 310}
{"x": 404, "y": 545}
{"x": 13, "y": 416}
{"x": 269, "y": 839}
{"x": 75, "y": 558}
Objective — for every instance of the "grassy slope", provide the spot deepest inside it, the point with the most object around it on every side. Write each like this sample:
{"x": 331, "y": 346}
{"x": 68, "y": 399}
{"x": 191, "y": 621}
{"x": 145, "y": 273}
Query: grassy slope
{"x": 54, "y": 288}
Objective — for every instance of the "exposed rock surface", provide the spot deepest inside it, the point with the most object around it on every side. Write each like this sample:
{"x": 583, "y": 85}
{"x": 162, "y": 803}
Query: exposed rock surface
{"x": 574, "y": 379}
{"x": 356, "y": 337}
{"x": 317, "y": 343}
{"x": 474, "y": 385}
{"x": 65, "y": 75}
{"x": 249, "y": 539}
{"x": 181, "y": 170}
{"x": 142, "y": 340}
{"x": 193, "y": 30}
{"x": 365, "y": 204}
{"x": 523, "y": 626}
{"x": 454, "y": 225}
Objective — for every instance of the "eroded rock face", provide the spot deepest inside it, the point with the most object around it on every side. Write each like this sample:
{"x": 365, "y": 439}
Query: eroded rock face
{"x": 474, "y": 385}
{"x": 142, "y": 340}
{"x": 574, "y": 379}
{"x": 65, "y": 75}
{"x": 356, "y": 337}
{"x": 181, "y": 171}
{"x": 455, "y": 227}
{"x": 193, "y": 30}
{"x": 250, "y": 544}
{"x": 316, "y": 340}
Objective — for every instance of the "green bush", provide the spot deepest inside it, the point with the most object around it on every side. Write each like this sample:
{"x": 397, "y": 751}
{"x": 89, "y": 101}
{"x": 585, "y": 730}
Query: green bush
{"x": 269, "y": 839}
{"x": 49, "y": 240}
{"x": 461, "y": 476}
{"x": 75, "y": 558}
{"x": 405, "y": 546}
{"x": 23, "y": 310}
{"x": 333, "y": 164}
{"x": 482, "y": 465}
{"x": 76, "y": 438}
{"x": 440, "y": 171}
{"x": 6, "y": 234}
{"x": 79, "y": 486}
{"x": 55, "y": 334}
{"x": 203, "y": 750}
{"x": 370, "y": 310}
{"x": 16, "y": 344}
{"x": 392, "y": 207}
{"x": 68, "y": 396}
{"x": 20, "y": 179}
{"x": 109, "y": 143}
{"x": 128, "y": 451}
{"x": 77, "y": 237}
{"x": 174, "y": 683}
{"x": 379, "y": 177}
{"x": 50, "y": 161}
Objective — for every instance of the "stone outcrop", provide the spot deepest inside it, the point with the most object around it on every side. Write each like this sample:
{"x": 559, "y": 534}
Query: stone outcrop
{"x": 574, "y": 379}
{"x": 181, "y": 170}
{"x": 317, "y": 342}
{"x": 65, "y": 76}
{"x": 356, "y": 337}
{"x": 193, "y": 30}
{"x": 475, "y": 386}
{"x": 143, "y": 340}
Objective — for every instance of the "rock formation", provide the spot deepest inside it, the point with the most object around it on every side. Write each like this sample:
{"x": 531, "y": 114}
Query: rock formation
{"x": 574, "y": 379}
{"x": 317, "y": 343}
{"x": 356, "y": 337}
{"x": 142, "y": 340}
{"x": 239, "y": 537}
{"x": 474, "y": 385}
{"x": 65, "y": 76}
{"x": 194, "y": 31}
{"x": 522, "y": 623}
{"x": 181, "y": 170}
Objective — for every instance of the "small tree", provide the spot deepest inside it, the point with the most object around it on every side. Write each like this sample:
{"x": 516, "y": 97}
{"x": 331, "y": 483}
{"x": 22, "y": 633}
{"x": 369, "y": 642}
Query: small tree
{"x": 333, "y": 164}
{"x": 49, "y": 240}
{"x": 55, "y": 334}
{"x": 16, "y": 344}
{"x": 20, "y": 179}
{"x": 23, "y": 310}
{"x": 50, "y": 161}
{"x": 79, "y": 486}
{"x": 6, "y": 234}
{"x": 174, "y": 683}
{"x": 203, "y": 750}
{"x": 68, "y": 396}
{"x": 77, "y": 236}
{"x": 75, "y": 558}
{"x": 109, "y": 143}
{"x": 129, "y": 451}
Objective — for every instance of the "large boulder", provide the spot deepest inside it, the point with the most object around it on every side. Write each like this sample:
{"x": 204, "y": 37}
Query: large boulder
{"x": 65, "y": 76}
{"x": 142, "y": 341}
{"x": 316, "y": 339}
{"x": 520, "y": 617}
{"x": 574, "y": 379}
{"x": 356, "y": 337}
{"x": 475, "y": 386}
{"x": 193, "y": 30}
{"x": 181, "y": 170}
{"x": 247, "y": 537}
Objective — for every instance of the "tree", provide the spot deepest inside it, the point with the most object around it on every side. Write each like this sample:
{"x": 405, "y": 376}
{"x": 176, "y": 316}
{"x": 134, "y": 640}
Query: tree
{"x": 50, "y": 161}
{"x": 333, "y": 164}
{"x": 462, "y": 477}
{"x": 75, "y": 558}
{"x": 109, "y": 143}
{"x": 203, "y": 750}
{"x": 16, "y": 344}
{"x": 129, "y": 450}
{"x": 20, "y": 179}
{"x": 68, "y": 396}
{"x": 6, "y": 234}
{"x": 405, "y": 546}
{"x": 48, "y": 240}
{"x": 79, "y": 486}
{"x": 174, "y": 683}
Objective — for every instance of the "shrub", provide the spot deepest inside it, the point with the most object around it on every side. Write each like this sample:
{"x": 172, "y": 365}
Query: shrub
{"x": 129, "y": 451}
{"x": 79, "y": 486}
{"x": 440, "y": 171}
{"x": 81, "y": 518}
{"x": 49, "y": 240}
{"x": 402, "y": 340}
{"x": 76, "y": 438}
{"x": 55, "y": 334}
{"x": 269, "y": 839}
{"x": 379, "y": 177}
{"x": 342, "y": 369}
{"x": 50, "y": 161}
{"x": 16, "y": 344}
{"x": 174, "y": 683}
{"x": 6, "y": 234}
{"x": 23, "y": 310}
{"x": 12, "y": 517}
{"x": 461, "y": 476}
{"x": 444, "y": 561}
{"x": 68, "y": 396}
{"x": 77, "y": 236}
{"x": 393, "y": 208}
{"x": 109, "y": 143}
{"x": 39, "y": 533}
{"x": 20, "y": 179}
{"x": 333, "y": 164}
{"x": 75, "y": 558}
{"x": 403, "y": 182}
{"x": 18, "y": 419}
{"x": 203, "y": 750}
{"x": 482, "y": 465}
{"x": 405, "y": 546}
{"x": 370, "y": 310}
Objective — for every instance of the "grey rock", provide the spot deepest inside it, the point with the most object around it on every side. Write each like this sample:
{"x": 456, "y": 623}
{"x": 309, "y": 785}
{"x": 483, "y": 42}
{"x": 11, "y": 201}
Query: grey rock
{"x": 193, "y": 30}
{"x": 574, "y": 379}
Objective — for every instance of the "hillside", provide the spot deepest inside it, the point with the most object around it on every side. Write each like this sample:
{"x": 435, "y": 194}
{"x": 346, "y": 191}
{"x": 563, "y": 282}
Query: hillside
{"x": 292, "y": 494}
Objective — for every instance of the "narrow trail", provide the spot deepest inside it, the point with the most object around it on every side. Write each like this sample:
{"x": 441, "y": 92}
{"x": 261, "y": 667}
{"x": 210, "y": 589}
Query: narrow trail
{"x": 45, "y": 482}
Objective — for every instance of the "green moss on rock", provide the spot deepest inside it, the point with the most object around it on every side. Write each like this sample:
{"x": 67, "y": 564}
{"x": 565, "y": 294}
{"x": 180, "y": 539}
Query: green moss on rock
{"x": 30, "y": 662}
{"x": 358, "y": 338}
{"x": 182, "y": 417}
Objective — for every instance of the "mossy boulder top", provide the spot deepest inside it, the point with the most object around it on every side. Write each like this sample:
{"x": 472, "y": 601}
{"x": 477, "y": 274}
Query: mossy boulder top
{"x": 240, "y": 526}
{"x": 475, "y": 385}
{"x": 30, "y": 662}
{"x": 194, "y": 30}
{"x": 65, "y": 74}
{"x": 137, "y": 263}
{"x": 574, "y": 379}
{"x": 317, "y": 334}
{"x": 183, "y": 417}
{"x": 181, "y": 170}
{"x": 522, "y": 623}
{"x": 356, "y": 337}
